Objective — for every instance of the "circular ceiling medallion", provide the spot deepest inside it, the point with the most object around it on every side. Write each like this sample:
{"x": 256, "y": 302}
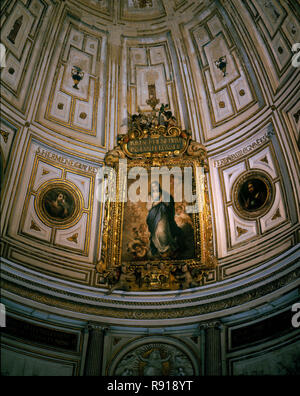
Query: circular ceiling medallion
{"x": 59, "y": 203}
{"x": 253, "y": 194}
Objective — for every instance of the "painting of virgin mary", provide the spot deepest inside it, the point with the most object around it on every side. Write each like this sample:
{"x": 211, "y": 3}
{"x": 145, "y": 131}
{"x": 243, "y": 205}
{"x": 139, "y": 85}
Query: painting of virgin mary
{"x": 157, "y": 228}
{"x": 166, "y": 238}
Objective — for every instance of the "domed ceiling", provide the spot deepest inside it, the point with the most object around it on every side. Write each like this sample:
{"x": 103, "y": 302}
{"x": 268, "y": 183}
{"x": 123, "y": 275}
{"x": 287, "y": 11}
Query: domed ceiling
{"x": 76, "y": 72}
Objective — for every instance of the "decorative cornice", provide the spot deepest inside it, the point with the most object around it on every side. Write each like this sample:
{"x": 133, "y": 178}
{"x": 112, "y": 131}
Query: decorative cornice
{"x": 134, "y": 312}
{"x": 98, "y": 299}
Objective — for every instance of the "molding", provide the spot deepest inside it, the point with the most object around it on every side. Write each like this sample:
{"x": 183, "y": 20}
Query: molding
{"x": 198, "y": 305}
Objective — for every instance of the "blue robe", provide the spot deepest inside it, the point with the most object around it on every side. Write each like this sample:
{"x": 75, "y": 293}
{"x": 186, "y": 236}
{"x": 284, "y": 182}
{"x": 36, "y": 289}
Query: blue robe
{"x": 165, "y": 236}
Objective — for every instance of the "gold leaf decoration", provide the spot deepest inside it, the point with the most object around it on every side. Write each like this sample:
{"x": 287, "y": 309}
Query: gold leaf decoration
{"x": 73, "y": 238}
{"x": 34, "y": 226}
{"x": 4, "y": 135}
{"x": 276, "y": 215}
{"x": 241, "y": 231}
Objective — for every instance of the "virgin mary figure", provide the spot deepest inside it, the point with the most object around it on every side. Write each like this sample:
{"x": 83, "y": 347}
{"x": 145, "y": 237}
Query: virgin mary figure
{"x": 166, "y": 238}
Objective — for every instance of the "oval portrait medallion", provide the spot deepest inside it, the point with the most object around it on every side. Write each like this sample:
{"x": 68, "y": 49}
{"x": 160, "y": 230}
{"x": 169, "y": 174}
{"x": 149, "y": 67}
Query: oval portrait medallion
{"x": 253, "y": 194}
{"x": 58, "y": 204}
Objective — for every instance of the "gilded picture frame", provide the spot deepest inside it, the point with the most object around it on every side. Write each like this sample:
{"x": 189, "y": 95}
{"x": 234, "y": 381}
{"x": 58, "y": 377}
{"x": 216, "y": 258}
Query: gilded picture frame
{"x": 156, "y": 243}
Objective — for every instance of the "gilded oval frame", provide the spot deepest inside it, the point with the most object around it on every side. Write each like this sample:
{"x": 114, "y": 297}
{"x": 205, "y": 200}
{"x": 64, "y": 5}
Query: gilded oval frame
{"x": 256, "y": 178}
{"x": 71, "y": 191}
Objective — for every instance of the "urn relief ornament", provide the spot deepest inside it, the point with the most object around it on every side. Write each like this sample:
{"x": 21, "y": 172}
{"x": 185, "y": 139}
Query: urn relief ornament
{"x": 77, "y": 75}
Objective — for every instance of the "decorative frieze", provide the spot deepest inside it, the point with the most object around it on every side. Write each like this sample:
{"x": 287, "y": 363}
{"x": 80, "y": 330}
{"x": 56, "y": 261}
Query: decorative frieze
{"x": 58, "y": 158}
{"x": 243, "y": 151}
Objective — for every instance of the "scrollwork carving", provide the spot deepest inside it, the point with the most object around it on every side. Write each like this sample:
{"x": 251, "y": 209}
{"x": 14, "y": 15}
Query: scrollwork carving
{"x": 196, "y": 149}
{"x": 113, "y": 156}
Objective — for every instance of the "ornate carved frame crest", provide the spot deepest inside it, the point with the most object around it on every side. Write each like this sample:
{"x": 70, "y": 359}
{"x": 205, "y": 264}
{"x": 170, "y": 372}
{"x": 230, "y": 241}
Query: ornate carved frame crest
{"x": 155, "y": 141}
